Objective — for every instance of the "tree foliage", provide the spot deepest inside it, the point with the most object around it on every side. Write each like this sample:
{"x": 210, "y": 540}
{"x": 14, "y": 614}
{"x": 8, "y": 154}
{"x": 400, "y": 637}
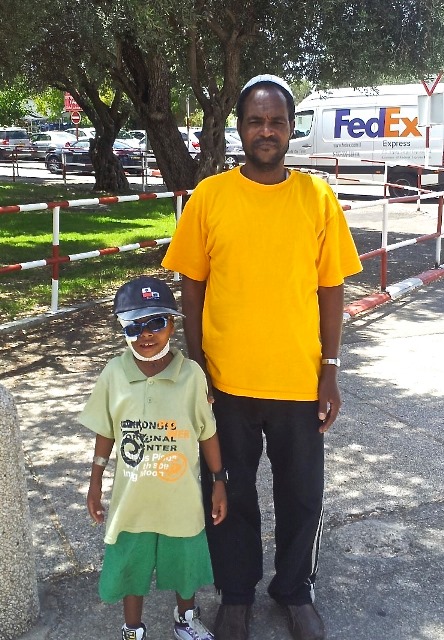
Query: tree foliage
{"x": 13, "y": 103}
{"x": 49, "y": 103}
{"x": 151, "y": 53}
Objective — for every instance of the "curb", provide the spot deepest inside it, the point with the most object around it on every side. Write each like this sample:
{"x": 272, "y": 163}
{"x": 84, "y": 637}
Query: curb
{"x": 393, "y": 292}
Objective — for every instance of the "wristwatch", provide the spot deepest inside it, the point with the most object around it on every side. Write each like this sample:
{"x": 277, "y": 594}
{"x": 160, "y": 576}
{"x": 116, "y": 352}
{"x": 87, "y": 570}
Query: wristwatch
{"x": 335, "y": 361}
{"x": 221, "y": 475}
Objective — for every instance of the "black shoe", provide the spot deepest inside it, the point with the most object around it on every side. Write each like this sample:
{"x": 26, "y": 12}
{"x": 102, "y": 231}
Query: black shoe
{"x": 232, "y": 622}
{"x": 304, "y": 622}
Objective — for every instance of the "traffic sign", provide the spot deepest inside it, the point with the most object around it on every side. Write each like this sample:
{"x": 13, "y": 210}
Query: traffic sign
{"x": 431, "y": 85}
{"x": 70, "y": 103}
{"x": 75, "y": 117}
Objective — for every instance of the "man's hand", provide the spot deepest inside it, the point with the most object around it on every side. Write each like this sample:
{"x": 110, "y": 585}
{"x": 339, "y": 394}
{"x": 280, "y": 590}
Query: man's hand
{"x": 329, "y": 397}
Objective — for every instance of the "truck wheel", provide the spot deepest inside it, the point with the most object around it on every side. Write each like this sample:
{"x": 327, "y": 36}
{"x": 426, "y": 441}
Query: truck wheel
{"x": 402, "y": 179}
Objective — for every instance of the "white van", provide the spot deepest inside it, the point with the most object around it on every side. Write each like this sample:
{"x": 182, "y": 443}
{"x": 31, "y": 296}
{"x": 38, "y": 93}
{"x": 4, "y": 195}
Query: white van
{"x": 372, "y": 123}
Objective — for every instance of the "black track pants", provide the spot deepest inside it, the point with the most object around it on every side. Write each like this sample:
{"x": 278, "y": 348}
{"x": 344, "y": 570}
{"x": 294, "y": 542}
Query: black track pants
{"x": 295, "y": 449}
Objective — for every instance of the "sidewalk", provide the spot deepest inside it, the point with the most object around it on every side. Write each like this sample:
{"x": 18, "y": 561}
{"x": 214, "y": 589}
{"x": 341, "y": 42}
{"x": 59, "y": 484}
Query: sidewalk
{"x": 382, "y": 559}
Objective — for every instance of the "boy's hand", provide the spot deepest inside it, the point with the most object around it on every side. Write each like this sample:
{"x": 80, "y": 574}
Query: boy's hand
{"x": 94, "y": 503}
{"x": 219, "y": 510}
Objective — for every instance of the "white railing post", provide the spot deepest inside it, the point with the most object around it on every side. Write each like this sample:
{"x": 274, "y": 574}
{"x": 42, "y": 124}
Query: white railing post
{"x": 179, "y": 204}
{"x": 55, "y": 255}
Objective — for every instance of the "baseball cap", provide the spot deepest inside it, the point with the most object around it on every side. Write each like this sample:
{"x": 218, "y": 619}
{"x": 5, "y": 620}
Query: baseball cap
{"x": 144, "y": 296}
{"x": 268, "y": 77}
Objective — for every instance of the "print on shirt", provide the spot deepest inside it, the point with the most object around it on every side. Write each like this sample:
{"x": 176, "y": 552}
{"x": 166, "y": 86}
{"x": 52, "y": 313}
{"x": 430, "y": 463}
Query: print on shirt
{"x": 150, "y": 448}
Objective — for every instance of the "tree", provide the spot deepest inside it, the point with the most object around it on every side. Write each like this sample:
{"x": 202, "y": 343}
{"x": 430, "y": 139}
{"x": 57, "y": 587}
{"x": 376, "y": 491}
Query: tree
{"x": 361, "y": 42}
{"x": 146, "y": 48}
{"x": 49, "y": 103}
{"x": 216, "y": 46}
{"x": 79, "y": 67}
{"x": 12, "y": 103}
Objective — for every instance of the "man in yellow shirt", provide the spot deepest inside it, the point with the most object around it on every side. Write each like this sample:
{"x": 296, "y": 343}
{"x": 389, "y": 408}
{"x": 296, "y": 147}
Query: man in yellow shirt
{"x": 264, "y": 252}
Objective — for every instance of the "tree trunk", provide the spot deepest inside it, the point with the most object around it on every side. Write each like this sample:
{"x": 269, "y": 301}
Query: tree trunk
{"x": 107, "y": 121}
{"x": 212, "y": 143}
{"x": 146, "y": 80}
{"x": 108, "y": 169}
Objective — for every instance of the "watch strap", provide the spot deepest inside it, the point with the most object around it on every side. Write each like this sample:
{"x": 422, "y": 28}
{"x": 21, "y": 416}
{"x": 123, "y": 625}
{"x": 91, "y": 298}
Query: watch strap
{"x": 221, "y": 476}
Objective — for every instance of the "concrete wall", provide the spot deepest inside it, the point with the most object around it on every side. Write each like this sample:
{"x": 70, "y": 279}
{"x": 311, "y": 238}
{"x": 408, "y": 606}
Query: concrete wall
{"x": 19, "y": 605}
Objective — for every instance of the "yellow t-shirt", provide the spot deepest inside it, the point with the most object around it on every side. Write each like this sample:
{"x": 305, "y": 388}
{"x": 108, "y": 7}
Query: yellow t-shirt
{"x": 264, "y": 250}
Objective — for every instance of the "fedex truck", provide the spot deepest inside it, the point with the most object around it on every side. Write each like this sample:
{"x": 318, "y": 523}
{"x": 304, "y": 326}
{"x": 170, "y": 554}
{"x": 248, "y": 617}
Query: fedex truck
{"x": 374, "y": 123}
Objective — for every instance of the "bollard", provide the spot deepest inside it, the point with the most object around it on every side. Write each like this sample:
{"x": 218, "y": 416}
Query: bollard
{"x": 19, "y": 604}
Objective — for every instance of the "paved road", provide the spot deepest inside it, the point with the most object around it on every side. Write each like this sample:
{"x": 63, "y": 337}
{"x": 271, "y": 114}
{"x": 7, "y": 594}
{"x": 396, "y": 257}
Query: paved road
{"x": 36, "y": 171}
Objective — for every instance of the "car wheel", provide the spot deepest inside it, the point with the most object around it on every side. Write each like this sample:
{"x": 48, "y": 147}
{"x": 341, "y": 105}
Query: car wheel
{"x": 231, "y": 162}
{"x": 403, "y": 180}
{"x": 54, "y": 164}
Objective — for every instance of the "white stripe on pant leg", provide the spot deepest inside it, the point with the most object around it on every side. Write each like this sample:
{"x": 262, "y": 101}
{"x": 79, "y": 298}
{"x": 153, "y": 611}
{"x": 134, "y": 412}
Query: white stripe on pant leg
{"x": 315, "y": 552}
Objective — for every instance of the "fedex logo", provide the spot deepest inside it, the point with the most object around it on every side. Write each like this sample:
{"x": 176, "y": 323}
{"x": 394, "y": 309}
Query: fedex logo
{"x": 388, "y": 124}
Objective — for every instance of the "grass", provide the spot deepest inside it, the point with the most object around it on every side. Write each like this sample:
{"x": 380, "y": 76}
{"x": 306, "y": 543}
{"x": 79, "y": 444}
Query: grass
{"x": 27, "y": 236}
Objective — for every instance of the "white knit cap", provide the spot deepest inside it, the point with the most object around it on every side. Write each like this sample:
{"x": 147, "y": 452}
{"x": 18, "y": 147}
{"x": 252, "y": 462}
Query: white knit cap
{"x": 268, "y": 77}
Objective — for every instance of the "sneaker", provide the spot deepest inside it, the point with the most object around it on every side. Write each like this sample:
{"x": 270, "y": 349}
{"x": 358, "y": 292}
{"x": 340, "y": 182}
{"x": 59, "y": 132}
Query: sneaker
{"x": 134, "y": 634}
{"x": 189, "y": 626}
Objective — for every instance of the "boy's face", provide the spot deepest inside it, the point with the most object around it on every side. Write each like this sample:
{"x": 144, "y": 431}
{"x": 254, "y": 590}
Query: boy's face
{"x": 152, "y": 340}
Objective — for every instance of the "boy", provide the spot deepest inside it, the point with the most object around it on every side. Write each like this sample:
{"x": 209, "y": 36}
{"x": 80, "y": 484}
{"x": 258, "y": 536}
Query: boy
{"x": 152, "y": 403}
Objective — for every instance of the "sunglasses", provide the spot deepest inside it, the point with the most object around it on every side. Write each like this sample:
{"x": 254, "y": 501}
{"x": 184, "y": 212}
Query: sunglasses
{"x": 153, "y": 325}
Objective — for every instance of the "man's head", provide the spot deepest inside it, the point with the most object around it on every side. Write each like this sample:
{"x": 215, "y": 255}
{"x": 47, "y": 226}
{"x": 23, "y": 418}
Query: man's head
{"x": 265, "y": 124}
{"x": 266, "y": 80}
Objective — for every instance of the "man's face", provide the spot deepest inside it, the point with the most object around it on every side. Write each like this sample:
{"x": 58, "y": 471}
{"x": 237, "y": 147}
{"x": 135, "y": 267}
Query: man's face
{"x": 265, "y": 129}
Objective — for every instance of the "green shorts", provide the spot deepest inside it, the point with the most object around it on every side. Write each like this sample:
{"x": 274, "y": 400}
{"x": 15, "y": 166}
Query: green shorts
{"x": 181, "y": 564}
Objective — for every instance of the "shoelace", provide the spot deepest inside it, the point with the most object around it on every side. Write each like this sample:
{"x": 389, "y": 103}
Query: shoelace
{"x": 199, "y": 632}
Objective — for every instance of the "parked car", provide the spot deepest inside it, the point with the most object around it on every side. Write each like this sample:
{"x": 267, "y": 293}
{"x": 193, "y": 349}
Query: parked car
{"x": 82, "y": 133}
{"x": 128, "y": 138}
{"x": 43, "y": 142}
{"x": 145, "y": 145}
{"x": 11, "y": 139}
{"x": 190, "y": 138}
{"x": 231, "y": 142}
{"x": 77, "y": 159}
{"x": 232, "y": 131}
{"x": 137, "y": 133}
{"x": 234, "y": 154}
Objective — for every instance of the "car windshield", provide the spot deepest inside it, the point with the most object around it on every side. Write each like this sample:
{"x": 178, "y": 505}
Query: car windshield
{"x": 121, "y": 145}
{"x": 124, "y": 135}
{"x": 80, "y": 144}
{"x": 17, "y": 134}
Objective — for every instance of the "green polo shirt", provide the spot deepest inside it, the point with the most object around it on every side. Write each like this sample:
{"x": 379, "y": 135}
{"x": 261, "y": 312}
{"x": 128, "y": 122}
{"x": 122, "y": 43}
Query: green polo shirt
{"x": 156, "y": 423}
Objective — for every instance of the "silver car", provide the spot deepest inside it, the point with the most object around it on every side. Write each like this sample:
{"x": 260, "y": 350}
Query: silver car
{"x": 13, "y": 139}
{"x": 43, "y": 142}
